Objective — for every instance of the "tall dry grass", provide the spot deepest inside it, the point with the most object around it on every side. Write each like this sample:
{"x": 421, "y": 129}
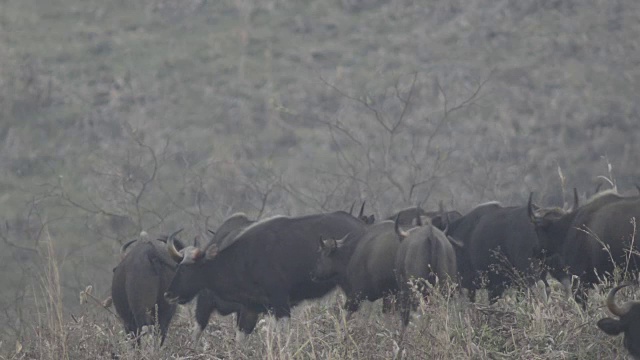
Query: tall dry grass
{"x": 522, "y": 325}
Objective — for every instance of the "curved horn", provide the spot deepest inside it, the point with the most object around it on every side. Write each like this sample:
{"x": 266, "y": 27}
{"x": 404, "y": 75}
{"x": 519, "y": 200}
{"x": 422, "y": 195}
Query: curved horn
{"x": 443, "y": 217}
{"x": 532, "y": 216}
{"x": 170, "y": 238}
{"x": 455, "y": 242}
{"x": 576, "y": 201}
{"x": 171, "y": 247}
{"x": 196, "y": 241}
{"x": 418, "y": 218}
{"x": 401, "y": 234}
{"x": 598, "y": 188}
{"x": 124, "y": 247}
{"x": 340, "y": 242}
{"x": 619, "y": 311}
{"x": 362, "y": 209}
{"x": 351, "y": 208}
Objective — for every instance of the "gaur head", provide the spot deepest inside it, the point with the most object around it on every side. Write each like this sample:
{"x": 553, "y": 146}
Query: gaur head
{"x": 189, "y": 279}
{"x": 628, "y": 322}
{"x": 548, "y": 223}
{"x": 331, "y": 260}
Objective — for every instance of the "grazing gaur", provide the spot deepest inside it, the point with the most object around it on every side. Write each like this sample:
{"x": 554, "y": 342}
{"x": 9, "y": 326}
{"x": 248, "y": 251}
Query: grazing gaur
{"x": 425, "y": 253}
{"x": 498, "y": 243}
{"x": 139, "y": 282}
{"x": 207, "y": 301}
{"x": 363, "y": 267}
{"x": 628, "y": 323}
{"x": 588, "y": 238}
{"x": 266, "y": 268}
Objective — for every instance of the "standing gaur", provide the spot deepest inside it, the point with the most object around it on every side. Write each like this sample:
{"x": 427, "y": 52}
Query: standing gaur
{"x": 500, "y": 243}
{"x": 207, "y": 301}
{"x": 362, "y": 266}
{"x": 425, "y": 254}
{"x": 266, "y": 268}
{"x": 592, "y": 240}
{"x": 628, "y": 323}
{"x": 139, "y": 282}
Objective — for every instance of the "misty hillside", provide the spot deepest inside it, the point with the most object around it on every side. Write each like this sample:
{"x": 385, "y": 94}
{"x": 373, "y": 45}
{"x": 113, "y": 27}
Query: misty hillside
{"x": 123, "y": 116}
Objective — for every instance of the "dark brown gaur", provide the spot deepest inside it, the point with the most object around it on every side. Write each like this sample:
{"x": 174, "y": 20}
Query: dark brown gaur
{"x": 363, "y": 267}
{"x": 267, "y": 267}
{"x": 628, "y": 323}
{"x": 579, "y": 237}
{"x": 424, "y": 255}
{"x": 138, "y": 285}
{"x": 498, "y": 241}
{"x": 208, "y": 301}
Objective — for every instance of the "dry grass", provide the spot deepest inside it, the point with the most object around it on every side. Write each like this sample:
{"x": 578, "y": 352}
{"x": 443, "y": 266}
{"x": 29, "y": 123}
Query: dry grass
{"x": 520, "y": 326}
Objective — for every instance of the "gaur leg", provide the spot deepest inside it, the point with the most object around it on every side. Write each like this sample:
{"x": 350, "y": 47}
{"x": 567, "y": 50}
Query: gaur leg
{"x": 388, "y": 303}
{"x": 495, "y": 292}
{"x": 404, "y": 300}
{"x": 351, "y": 305}
{"x": 165, "y": 313}
{"x": 247, "y": 320}
{"x": 204, "y": 307}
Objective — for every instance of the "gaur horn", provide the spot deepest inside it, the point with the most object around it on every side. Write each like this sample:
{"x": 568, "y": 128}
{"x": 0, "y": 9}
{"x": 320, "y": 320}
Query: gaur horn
{"x": 362, "y": 209}
{"x": 124, "y": 247}
{"x": 532, "y": 216}
{"x": 418, "y": 217}
{"x": 340, "y": 242}
{"x": 171, "y": 247}
{"x": 611, "y": 302}
{"x": 576, "y": 201}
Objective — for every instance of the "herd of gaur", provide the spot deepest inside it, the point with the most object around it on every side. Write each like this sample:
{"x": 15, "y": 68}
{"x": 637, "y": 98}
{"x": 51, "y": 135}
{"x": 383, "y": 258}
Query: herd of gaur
{"x": 254, "y": 267}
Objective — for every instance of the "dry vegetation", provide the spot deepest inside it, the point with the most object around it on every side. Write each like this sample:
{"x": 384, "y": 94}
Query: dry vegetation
{"x": 119, "y": 116}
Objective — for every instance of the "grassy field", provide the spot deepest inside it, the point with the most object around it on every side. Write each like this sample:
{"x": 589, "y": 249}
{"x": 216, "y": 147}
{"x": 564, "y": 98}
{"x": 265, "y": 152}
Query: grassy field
{"x": 522, "y": 325}
{"x": 120, "y": 116}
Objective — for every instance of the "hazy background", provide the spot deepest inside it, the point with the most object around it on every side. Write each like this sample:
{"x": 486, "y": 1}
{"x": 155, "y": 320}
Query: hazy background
{"x": 118, "y": 116}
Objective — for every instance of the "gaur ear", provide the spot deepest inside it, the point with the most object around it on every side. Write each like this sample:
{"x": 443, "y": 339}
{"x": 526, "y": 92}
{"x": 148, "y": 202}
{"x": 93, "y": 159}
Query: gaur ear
{"x": 610, "y": 326}
{"x": 211, "y": 252}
